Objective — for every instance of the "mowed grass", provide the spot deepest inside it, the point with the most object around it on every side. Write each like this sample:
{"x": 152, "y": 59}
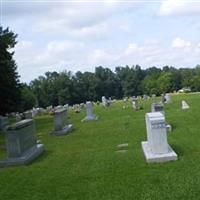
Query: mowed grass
{"x": 85, "y": 165}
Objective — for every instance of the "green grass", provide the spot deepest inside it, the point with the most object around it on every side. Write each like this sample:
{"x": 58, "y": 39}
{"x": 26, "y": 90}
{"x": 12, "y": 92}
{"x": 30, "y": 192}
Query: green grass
{"x": 84, "y": 164}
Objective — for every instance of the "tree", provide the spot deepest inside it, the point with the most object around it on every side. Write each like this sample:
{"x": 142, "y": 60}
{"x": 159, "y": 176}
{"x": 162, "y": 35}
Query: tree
{"x": 9, "y": 78}
{"x": 28, "y": 99}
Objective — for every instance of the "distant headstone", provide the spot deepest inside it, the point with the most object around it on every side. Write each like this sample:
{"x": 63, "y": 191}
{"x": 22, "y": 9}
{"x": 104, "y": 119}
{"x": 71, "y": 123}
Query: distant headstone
{"x": 60, "y": 122}
{"x": 34, "y": 112}
{"x": 82, "y": 105}
{"x": 104, "y": 101}
{"x": 157, "y": 107}
{"x": 126, "y": 101}
{"x": 135, "y": 105}
{"x": 21, "y": 144}
{"x": 77, "y": 108}
{"x": 185, "y": 105}
{"x": 156, "y": 148}
{"x": 66, "y": 106}
{"x": 27, "y": 115}
{"x": 89, "y": 109}
{"x": 18, "y": 117}
{"x": 167, "y": 98}
{"x": 3, "y": 123}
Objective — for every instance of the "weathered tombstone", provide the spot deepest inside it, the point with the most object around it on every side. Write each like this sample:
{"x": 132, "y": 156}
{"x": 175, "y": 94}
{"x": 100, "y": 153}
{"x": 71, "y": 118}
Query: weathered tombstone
{"x": 145, "y": 97}
{"x": 167, "y": 98}
{"x": 104, "y": 101}
{"x": 126, "y": 101}
{"x": 34, "y": 112}
{"x": 156, "y": 148}
{"x": 185, "y": 105}
{"x": 157, "y": 107}
{"x": 135, "y": 105}
{"x": 89, "y": 109}
{"x": 66, "y": 106}
{"x": 82, "y": 105}
{"x": 21, "y": 144}
{"x": 77, "y": 108}
{"x": 60, "y": 122}
{"x": 3, "y": 123}
{"x": 27, "y": 115}
{"x": 18, "y": 117}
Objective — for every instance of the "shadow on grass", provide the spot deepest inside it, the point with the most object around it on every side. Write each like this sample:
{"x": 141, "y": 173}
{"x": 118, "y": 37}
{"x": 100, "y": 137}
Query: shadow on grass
{"x": 41, "y": 157}
{"x": 178, "y": 149}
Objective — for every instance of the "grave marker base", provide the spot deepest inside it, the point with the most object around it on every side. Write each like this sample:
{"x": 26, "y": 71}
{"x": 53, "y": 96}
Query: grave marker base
{"x": 66, "y": 129}
{"x": 27, "y": 157}
{"x": 152, "y": 157}
{"x": 90, "y": 118}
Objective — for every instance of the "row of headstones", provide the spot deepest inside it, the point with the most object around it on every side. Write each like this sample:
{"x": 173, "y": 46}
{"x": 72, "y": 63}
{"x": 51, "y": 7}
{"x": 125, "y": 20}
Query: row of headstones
{"x": 21, "y": 141}
{"x": 22, "y": 146}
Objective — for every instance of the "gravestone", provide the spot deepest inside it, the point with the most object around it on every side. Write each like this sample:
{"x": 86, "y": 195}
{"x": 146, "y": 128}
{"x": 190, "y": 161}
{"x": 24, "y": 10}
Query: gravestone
{"x": 135, "y": 105}
{"x": 156, "y": 148}
{"x": 126, "y": 101}
{"x": 89, "y": 109}
{"x": 66, "y": 106}
{"x": 77, "y": 108}
{"x": 21, "y": 144}
{"x": 104, "y": 101}
{"x": 167, "y": 98}
{"x": 3, "y": 122}
{"x": 27, "y": 115}
{"x": 18, "y": 117}
{"x": 157, "y": 107}
{"x": 60, "y": 122}
{"x": 184, "y": 105}
{"x": 34, "y": 112}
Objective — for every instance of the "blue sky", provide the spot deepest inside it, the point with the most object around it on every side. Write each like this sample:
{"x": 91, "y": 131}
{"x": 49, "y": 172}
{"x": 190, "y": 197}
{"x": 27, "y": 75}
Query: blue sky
{"x": 79, "y": 35}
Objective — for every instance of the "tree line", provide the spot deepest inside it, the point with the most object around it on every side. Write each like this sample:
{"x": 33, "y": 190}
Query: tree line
{"x": 55, "y": 88}
{"x": 60, "y": 88}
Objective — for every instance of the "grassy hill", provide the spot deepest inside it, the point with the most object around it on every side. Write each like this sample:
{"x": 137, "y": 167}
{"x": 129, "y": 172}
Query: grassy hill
{"x": 85, "y": 165}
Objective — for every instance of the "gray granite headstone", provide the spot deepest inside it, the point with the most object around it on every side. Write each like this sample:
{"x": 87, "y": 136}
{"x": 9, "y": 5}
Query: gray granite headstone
{"x": 28, "y": 115}
{"x": 89, "y": 109}
{"x": 21, "y": 144}
{"x": 156, "y": 148}
{"x": 60, "y": 122}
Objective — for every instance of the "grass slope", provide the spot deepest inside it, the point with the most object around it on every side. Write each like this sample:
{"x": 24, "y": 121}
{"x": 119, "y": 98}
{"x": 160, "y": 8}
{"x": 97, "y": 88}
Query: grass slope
{"x": 85, "y": 166}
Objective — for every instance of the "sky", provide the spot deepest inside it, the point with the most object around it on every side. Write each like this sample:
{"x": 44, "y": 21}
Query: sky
{"x": 79, "y": 35}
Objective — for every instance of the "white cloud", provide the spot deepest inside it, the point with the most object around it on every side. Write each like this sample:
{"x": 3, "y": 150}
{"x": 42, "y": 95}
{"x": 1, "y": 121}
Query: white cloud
{"x": 70, "y": 55}
{"x": 179, "y": 7}
{"x": 180, "y": 43}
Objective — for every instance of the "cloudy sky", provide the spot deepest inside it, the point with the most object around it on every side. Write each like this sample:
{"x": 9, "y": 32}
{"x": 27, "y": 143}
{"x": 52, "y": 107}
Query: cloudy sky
{"x": 79, "y": 35}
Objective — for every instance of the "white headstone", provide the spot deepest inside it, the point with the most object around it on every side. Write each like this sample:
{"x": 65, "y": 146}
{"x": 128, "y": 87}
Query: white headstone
{"x": 104, "y": 101}
{"x": 185, "y": 105}
{"x": 167, "y": 98}
{"x": 156, "y": 148}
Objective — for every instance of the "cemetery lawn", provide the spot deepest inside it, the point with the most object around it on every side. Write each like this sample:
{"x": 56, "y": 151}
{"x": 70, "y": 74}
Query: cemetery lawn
{"x": 84, "y": 165}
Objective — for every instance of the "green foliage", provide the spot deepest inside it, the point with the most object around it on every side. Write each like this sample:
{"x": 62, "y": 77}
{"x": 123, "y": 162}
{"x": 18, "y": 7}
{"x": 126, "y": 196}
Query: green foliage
{"x": 9, "y": 82}
{"x": 28, "y": 99}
